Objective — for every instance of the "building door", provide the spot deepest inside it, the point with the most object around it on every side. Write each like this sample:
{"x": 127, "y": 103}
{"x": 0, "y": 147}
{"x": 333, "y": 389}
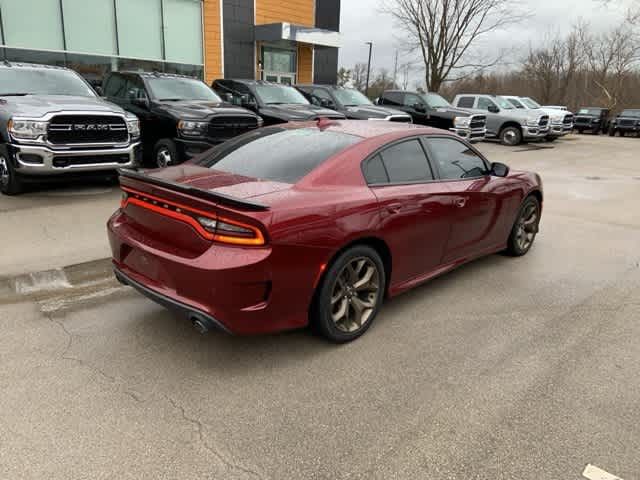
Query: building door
{"x": 279, "y": 65}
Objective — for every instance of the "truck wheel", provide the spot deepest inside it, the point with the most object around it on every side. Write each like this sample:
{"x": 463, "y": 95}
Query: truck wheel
{"x": 165, "y": 153}
{"x": 511, "y": 136}
{"x": 612, "y": 132}
{"x": 10, "y": 184}
{"x": 550, "y": 139}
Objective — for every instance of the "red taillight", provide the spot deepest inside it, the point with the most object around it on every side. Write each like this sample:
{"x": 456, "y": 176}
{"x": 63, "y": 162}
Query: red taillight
{"x": 208, "y": 225}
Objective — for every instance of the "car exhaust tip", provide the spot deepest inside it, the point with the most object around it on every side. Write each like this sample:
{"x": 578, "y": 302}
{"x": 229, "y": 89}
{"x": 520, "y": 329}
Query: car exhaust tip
{"x": 200, "y": 324}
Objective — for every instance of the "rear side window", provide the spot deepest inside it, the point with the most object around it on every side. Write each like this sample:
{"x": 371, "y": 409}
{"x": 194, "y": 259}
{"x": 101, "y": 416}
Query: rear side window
{"x": 455, "y": 160}
{"x": 392, "y": 98}
{"x": 406, "y": 162}
{"x": 466, "y": 102}
{"x": 278, "y": 154}
{"x": 116, "y": 86}
{"x": 374, "y": 171}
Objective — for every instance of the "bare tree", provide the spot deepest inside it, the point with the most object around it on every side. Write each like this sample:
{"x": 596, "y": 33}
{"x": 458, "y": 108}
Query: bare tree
{"x": 359, "y": 76}
{"x": 611, "y": 57}
{"x": 382, "y": 81}
{"x": 344, "y": 77}
{"x": 445, "y": 32}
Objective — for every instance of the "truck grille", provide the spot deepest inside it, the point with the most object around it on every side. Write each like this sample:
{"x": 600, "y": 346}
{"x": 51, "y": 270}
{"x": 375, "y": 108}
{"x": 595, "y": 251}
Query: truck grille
{"x": 478, "y": 121}
{"x": 222, "y": 128}
{"x": 79, "y": 129}
{"x": 626, "y": 122}
{"x": 544, "y": 121}
{"x": 583, "y": 120}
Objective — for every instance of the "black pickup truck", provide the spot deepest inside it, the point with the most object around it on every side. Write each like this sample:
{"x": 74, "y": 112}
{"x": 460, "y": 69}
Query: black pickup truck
{"x": 53, "y": 125}
{"x": 433, "y": 110}
{"x": 627, "y": 122}
{"x": 180, "y": 116}
{"x": 274, "y": 102}
{"x": 351, "y": 102}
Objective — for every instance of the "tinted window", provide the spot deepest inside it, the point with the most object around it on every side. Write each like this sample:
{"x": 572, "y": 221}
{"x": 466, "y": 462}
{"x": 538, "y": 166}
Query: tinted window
{"x": 455, "y": 160}
{"x": 374, "y": 171}
{"x": 276, "y": 153}
{"x": 515, "y": 103}
{"x": 406, "y": 162}
{"x": 135, "y": 88}
{"x": 466, "y": 102}
{"x": 115, "y": 86}
{"x": 392, "y": 98}
{"x": 410, "y": 100}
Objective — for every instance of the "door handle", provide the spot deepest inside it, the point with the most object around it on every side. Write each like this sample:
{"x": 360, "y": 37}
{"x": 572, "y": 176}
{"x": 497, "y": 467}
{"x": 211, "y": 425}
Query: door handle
{"x": 394, "y": 208}
{"x": 460, "y": 202}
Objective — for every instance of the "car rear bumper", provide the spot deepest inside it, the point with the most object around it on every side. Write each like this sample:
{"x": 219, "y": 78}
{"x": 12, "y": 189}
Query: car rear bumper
{"x": 42, "y": 160}
{"x": 183, "y": 309}
{"x": 241, "y": 290}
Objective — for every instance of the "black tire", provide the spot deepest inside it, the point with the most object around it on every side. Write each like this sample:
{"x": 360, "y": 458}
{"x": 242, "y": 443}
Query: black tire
{"x": 511, "y": 136}
{"x": 612, "y": 132}
{"x": 550, "y": 139}
{"x": 332, "y": 286}
{"x": 515, "y": 246}
{"x": 580, "y": 131}
{"x": 595, "y": 131}
{"x": 165, "y": 153}
{"x": 10, "y": 183}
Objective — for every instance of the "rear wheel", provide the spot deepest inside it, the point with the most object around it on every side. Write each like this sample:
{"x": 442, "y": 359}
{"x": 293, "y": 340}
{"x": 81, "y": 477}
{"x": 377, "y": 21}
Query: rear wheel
{"x": 350, "y": 295}
{"x": 525, "y": 228}
{"x": 10, "y": 183}
{"x": 511, "y": 136}
{"x": 165, "y": 153}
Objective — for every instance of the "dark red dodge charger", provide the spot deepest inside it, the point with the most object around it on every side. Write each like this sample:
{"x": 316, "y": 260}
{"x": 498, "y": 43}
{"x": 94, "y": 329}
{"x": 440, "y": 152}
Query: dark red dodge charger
{"x": 315, "y": 223}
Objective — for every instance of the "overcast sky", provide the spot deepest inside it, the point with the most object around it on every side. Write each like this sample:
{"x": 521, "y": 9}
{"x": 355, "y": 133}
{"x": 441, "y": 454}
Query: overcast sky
{"x": 362, "y": 21}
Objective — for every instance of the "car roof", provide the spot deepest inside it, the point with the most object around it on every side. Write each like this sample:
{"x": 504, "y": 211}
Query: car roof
{"x": 155, "y": 74}
{"x": 366, "y": 129}
{"x": 26, "y": 65}
{"x": 251, "y": 82}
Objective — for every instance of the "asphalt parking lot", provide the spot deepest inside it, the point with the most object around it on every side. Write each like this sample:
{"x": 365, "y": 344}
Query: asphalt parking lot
{"x": 504, "y": 369}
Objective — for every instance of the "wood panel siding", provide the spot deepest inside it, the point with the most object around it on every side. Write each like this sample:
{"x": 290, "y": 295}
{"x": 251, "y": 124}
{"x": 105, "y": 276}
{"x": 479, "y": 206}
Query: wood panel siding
{"x": 305, "y": 64}
{"x": 298, "y": 12}
{"x": 212, "y": 40}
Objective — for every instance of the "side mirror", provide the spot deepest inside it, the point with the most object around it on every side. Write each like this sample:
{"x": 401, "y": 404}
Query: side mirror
{"x": 141, "y": 102}
{"x": 247, "y": 101}
{"x": 493, "y": 109}
{"x": 419, "y": 107}
{"x": 499, "y": 169}
{"x": 326, "y": 103}
{"x": 99, "y": 91}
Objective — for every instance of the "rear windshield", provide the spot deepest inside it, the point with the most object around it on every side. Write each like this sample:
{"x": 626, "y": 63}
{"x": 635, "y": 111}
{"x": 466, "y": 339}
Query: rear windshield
{"x": 630, "y": 113}
{"x": 276, "y": 153}
{"x": 590, "y": 111}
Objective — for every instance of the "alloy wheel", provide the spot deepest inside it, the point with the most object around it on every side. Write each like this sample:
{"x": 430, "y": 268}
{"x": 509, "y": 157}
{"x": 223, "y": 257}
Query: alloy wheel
{"x": 4, "y": 171}
{"x": 355, "y": 294}
{"x": 527, "y": 227}
{"x": 510, "y": 137}
{"x": 163, "y": 158}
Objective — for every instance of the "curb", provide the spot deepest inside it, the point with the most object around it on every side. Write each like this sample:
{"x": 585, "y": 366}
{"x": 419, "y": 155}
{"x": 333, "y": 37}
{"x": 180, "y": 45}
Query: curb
{"x": 94, "y": 275}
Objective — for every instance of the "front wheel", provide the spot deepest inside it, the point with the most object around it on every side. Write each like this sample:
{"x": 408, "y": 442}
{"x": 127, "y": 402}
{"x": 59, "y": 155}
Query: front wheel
{"x": 550, "y": 139}
{"x": 10, "y": 183}
{"x": 525, "y": 228}
{"x": 511, "y": 136}
{"x": 350, "y": 295}
{"x": 165, "y": 153}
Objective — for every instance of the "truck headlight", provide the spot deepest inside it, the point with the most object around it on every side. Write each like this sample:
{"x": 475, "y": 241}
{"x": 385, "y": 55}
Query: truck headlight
{"x": 532, "y": 122}
{"x": 557, "y": 119}
{"x": 30, "y": 129}
{"x": 133, "y": 126}
{"x": 462, "y": 122}
{"x": 192, "y": 128}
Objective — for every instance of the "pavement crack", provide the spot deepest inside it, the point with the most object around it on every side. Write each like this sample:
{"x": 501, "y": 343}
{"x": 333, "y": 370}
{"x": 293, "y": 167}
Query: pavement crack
{"x": 65, "y": 353}
{"x": 201, "y": 436}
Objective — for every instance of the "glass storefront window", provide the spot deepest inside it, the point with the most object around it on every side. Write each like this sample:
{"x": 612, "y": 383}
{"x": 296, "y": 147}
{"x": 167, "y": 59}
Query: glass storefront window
{"x": 32, "y": 24}
{"x": 183, "y": 31}
{"x": 139, "y": 28}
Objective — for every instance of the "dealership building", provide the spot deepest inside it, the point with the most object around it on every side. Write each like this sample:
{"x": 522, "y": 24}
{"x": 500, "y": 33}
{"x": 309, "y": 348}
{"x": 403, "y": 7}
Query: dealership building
{"x": 288, "y": 41}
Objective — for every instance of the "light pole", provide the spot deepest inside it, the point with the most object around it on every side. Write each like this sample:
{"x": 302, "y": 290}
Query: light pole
{"x": 368, "y": 67}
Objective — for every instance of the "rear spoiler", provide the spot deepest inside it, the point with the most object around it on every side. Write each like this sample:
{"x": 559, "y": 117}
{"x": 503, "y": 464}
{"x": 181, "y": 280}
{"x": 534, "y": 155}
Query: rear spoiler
{"x": 194, "y": 192}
